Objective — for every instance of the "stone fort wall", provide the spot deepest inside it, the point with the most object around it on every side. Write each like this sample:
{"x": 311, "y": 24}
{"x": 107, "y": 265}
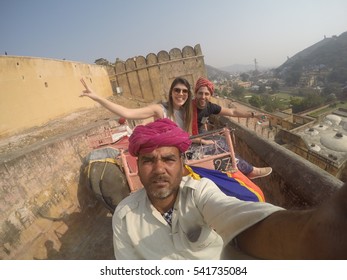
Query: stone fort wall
{"x": 34, "y": 91}
{"x": 150, "y": 77}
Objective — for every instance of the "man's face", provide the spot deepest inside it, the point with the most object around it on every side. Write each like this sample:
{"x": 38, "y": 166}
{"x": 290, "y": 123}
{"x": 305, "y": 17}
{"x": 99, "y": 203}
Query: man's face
{"x": 202, "y": 97}
{"x": 161, "y": 172}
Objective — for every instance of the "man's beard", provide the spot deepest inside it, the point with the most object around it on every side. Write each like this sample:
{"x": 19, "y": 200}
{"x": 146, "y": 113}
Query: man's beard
{"x": 164, "y": 193}
{"x": 198, "y": 104}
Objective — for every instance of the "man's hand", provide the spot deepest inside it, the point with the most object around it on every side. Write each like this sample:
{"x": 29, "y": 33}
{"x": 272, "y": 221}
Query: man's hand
{"x": 260, "y": 117}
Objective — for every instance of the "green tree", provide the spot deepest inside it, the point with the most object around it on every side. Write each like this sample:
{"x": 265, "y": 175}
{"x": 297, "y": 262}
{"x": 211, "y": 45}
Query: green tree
{"x": 238, "y": 91}
{"x": 271, "y": 104}
{"x": 338, "y": 75}
{"x": 217, "y": 92}
{"x": 332, "y": 88}
{"x": 294, "y": 74}
{"x": 102, "y": 61}
{"x": 262, "y": 88}
{"x": 310, "y": 101}
{"x": 244, "y": 77}
{"x": 296, "y": 104}
{"x": 225, "y": 92}
{"x": 255, "y": 101}
{"x": 275, "y": 86}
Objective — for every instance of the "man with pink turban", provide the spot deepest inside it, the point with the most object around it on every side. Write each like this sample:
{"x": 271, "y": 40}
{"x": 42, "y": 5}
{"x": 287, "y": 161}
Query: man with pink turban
{"x": 163, "y": 132}
{"x": 178, "y": 217}
{"x": 203, "y": 108}
{"x": 173, "y": 216}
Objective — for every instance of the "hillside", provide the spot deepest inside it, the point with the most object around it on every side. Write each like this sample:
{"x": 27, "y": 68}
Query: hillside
{"x": 216, "y": 74}
{"x": 242, "y": 68}
{"x": 328, "y": 55}
{"x": 225, "y": 72}
{"x": 330, "y": 52}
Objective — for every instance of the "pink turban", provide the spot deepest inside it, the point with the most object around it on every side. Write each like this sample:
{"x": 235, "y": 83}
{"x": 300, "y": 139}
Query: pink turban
{"x": 202, "y": 82}
{"x": 162, "y": 132}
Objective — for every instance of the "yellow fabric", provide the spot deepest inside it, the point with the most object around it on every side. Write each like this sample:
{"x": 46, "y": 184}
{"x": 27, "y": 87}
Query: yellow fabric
{"x": 192, "y": 173}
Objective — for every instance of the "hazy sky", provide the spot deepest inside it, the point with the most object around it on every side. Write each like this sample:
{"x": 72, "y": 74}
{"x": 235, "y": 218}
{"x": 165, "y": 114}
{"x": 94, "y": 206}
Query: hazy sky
{"x": 229, "y": 31}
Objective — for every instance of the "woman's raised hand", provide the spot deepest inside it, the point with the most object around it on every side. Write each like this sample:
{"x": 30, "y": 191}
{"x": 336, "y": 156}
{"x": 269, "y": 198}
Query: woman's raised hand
{"x": 87, "y": 91}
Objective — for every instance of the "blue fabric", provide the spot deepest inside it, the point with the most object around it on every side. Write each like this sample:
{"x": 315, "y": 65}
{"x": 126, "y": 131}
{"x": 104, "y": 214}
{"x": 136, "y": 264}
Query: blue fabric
{"x": 244, "y": 166}
{"x": 227, "y": 185}
{"x": 168, "y": 216}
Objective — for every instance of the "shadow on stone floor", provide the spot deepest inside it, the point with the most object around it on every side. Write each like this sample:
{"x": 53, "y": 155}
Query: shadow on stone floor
{"x": 89, "y": 232}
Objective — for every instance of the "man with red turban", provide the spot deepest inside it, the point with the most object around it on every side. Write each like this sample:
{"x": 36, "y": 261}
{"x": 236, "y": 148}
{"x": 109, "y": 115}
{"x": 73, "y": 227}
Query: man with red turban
{"x": 202, "y": 82}
{"x": 204, "y": 90}
{"x": 203, "y": 108}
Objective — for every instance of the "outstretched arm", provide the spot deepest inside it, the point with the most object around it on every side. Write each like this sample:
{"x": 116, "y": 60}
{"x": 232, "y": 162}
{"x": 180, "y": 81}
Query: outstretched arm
{"x": 153, "y": 110}
{"x": 235, "y": 112}
{"x": 302, "y": 234}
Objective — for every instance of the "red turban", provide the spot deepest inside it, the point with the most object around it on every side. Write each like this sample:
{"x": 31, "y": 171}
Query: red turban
{"x": 202, "y": 82}
{"x": 162, "y": 132}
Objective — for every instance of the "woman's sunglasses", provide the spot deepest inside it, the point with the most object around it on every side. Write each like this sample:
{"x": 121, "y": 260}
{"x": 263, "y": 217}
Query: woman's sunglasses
{"x": 178, "y": 90}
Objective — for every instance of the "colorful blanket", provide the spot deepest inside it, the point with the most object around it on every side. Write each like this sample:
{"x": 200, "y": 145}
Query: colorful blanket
{"x": 233, "y": 184}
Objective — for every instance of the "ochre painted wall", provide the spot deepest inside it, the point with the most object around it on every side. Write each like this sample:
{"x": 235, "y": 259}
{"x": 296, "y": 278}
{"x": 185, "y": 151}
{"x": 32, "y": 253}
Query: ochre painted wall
{"x": 36, "y": 90}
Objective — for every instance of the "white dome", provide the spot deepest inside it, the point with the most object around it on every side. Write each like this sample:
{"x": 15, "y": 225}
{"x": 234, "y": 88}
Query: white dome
{"x": 335, "y": 141}
{"x": 334, "y": 119}
{"x": 311, "y": 131}
{"x": 344, "y": 125}
{"x": 327, "y": 122}
{"x": 314, "y": 147}
{"x": 320, "y": 127}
